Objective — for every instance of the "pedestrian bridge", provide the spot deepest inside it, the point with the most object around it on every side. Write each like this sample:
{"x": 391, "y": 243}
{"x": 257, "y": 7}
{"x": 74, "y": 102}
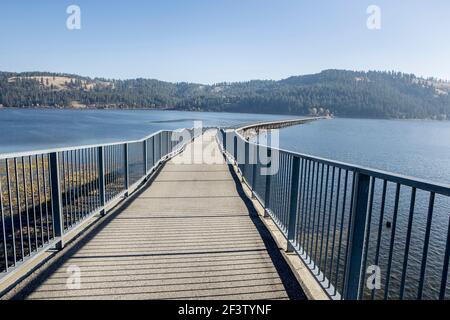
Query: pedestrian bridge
{"x": 191, "y": 215}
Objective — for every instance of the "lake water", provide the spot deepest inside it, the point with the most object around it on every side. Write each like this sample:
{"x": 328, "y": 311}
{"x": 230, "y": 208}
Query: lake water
{"x": 415, "y": 148}
{"x": 34, "y": 129}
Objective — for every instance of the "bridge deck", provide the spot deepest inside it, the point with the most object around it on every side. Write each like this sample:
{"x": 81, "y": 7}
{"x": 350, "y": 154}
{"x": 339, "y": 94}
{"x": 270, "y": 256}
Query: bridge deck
{"x": 189, "y": 235}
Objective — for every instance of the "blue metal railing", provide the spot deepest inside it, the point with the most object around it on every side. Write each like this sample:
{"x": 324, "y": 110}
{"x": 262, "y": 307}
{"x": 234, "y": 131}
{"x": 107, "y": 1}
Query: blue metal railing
{"x": 363, "y": 233}
{"x": 45, "y": 195}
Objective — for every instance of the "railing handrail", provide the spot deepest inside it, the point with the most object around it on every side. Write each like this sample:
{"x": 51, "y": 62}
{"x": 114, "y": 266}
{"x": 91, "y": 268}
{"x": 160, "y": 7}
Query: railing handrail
{"x": 78, "y": 147}
{"x": 410, "y": 181}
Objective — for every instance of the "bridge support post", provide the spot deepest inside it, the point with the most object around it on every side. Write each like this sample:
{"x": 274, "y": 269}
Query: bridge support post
{"x": 356, "y": 235}
{"x": 127, "y": 180}
{"x": 293, "y": 203}
{"x": 101, "y": 178}
{"x": 268, "y": 182}
{"x": 57, "y": 208}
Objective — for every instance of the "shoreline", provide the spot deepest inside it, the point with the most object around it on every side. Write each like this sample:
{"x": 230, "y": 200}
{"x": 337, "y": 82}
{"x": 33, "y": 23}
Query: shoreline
{"x": 214, "y": 111}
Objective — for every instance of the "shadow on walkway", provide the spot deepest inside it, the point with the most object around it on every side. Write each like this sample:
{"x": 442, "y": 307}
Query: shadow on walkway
{"x": 293, "y": 288}
{"x": 232, "y": 263}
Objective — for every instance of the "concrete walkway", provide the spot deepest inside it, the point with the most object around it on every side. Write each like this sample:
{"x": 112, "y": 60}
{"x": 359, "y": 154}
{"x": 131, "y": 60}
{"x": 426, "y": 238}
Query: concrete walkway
{"x": 189, "y": 235}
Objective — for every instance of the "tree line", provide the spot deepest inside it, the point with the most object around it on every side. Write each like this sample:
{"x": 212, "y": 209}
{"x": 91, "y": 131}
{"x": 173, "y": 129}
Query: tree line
{"x": 341, "y": 93}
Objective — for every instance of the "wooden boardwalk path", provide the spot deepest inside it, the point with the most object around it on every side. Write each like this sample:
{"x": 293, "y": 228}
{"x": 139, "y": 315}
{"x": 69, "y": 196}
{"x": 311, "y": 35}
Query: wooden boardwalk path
{"x": 189, "y": 235}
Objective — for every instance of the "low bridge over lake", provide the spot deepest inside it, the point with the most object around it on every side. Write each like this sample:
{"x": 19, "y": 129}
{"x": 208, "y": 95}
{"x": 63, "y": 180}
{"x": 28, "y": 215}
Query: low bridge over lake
{"x": 206, "y": 214}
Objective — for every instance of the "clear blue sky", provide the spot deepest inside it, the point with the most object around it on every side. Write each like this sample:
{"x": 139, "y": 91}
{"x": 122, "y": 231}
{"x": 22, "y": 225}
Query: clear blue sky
{"x": 211, "y": 41}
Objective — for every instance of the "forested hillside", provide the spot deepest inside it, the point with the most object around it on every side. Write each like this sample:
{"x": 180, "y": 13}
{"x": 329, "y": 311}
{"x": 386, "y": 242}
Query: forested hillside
{"x": 335, "y": 92}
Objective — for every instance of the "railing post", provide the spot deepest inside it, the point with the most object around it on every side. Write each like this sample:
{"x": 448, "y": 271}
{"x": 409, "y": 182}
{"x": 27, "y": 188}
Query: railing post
{"x": 268, "y": 182}
{"x": 167, "y": 143}
{"x": 145, "y": 158}
{"x": 153, "y": 152}
{"x": 224, "y": 140}
{"x": 161, "y": 145}
{"x": 127, "y": 180}
{"x": 293, "y": 203}
{"x": 164, "y": 144}
{"x": 246, "y": 159}
{"x": 235, "y": 152}
{"x": 57, "y": 208}
{"x": 254, "y": 167}
{"x": 356, "y": 236}
{"x": 101, "y": 178}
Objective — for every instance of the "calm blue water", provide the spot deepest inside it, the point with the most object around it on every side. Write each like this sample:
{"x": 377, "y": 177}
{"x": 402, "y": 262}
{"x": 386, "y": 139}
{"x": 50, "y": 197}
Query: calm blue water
{"x": 33, "y": 129}
{"x": 415, "y": 148}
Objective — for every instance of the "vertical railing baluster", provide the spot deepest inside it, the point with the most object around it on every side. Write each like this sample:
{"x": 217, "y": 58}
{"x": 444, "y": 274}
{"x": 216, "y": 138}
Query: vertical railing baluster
{"x": 407, "y": 243}
{"x": 11, "y": 212}
{"x": 2, "y": 215}
{"x": 160, "y": 146}
{"x": 310, "y": 210}
{"x": 445, "y": 267}
{"x": 71, "y": 183}
{"x": 319, "y": 226}
{"x": 126, "y": 166}
{"x": 268, "y": 182}
{"x": 145, "y": 157}
{"x": 254, "y": 167}
{"x": 305, "y": 171}
{"x": 330, "y": 207}
{"x": 97, "y": 177}
{"x": 94, "y": 172}
{"x": 380, "y": 230}
{"x": 293, "y": 203}
{"x": 314, "y": 230}
{"x": 90, "y": 180}
{"x": 44, "y": 184}
{"x": 33, "y": 203}
{"x": 64, "y": 186}
{"x": 423, "y": 267}
{"x": 322, "y": 236}
{"x": 246, "y": 160}
{"x": 392, "y": 242}
{"x": 56, "y": 199}
{"x": 19, "y": 211}
{"x": 235, "y": 151}
{"x": 80, "y": 185}
{"x": 76, "y": 188}
{"x": 153, "y": 152}
{"x": 341, "y": 233}
{"x": 101, "y": 178}
{"x": 85, "y": 182}
{"x": 167, "y": 143}
{"x": 224, "y": 140}
{"x": 106, "y": 171}
{"x": 336, "y": 214}
{"x": 356, "y": 234}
